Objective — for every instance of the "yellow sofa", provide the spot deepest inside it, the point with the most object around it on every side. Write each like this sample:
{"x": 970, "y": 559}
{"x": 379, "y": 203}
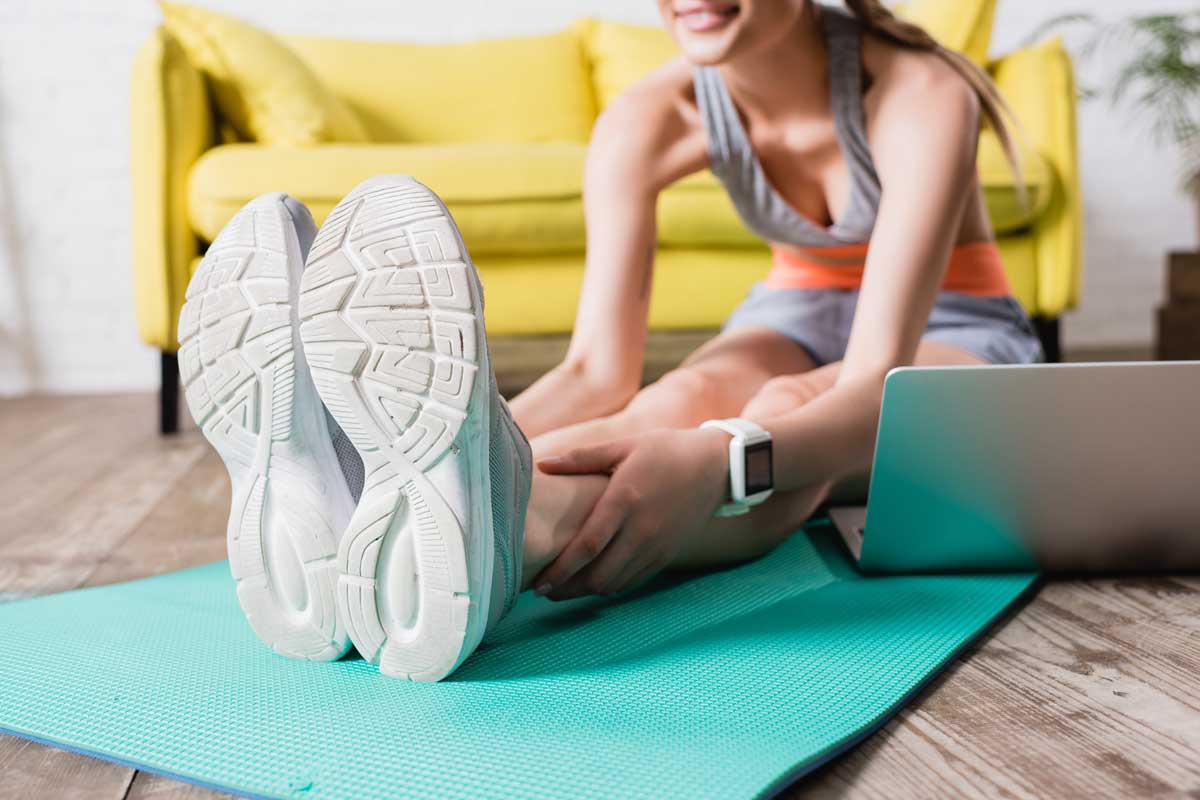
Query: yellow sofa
{"x": 499, "y": 129}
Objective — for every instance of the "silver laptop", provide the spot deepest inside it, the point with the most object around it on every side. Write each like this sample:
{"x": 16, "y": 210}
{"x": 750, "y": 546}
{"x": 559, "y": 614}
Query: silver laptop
{"x": 1057, "y": 467}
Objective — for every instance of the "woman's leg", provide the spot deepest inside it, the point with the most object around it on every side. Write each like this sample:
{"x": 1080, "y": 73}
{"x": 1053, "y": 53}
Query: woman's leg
{"x": 754, "y": 534}
{"x": 715, "y": 381}
{"x": 559, "y": 504}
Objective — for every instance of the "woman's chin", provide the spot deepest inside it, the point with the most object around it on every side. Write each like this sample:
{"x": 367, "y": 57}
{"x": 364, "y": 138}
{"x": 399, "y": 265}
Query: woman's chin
{"x": 705, "y": 50}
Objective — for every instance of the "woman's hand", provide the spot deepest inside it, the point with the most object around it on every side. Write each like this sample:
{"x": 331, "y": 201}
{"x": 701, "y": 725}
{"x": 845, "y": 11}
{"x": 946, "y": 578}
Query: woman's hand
{"x": 665, "y": 486}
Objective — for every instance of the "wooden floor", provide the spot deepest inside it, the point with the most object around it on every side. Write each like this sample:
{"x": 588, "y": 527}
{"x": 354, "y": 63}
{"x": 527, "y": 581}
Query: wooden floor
{"x": 1091, "y": 690}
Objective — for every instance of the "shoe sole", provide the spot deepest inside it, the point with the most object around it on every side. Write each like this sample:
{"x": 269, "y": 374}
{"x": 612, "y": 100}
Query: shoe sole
{"x": 392, "y": 325}
{"x": 249, "y": 390}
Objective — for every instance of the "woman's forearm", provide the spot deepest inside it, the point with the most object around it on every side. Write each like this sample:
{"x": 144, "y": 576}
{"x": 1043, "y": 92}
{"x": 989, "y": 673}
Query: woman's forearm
{"x": 829, "y": 437}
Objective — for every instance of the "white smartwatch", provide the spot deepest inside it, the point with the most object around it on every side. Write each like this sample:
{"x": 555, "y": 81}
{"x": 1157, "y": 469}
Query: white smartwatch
{"x": 751, "y": 474}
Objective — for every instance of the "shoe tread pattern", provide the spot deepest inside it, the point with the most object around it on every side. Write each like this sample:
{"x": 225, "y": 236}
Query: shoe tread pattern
{"x": 237, "y": 364}
{"x": 389, "y": 321}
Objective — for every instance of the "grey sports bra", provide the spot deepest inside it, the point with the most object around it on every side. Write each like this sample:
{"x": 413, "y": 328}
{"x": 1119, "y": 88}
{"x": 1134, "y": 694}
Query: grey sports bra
{"x": 734, "y": 162}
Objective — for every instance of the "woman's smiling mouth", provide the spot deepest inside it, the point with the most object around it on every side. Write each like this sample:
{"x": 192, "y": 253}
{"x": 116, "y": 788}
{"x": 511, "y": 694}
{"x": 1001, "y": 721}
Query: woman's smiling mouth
{"x": 703, "y": 17}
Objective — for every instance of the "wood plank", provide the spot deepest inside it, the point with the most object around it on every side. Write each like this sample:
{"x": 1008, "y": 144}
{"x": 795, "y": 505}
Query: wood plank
{"x": 1063, "y": 701}
{"x": 64, "y": 438}
{"x": 148, "y": 786}
{"x": 56, "y": 534}
{"x": 32, "y": 770}
{"x": 184, "y": 528}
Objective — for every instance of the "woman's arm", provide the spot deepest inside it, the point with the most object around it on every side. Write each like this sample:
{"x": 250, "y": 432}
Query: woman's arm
{"x": 664, "y": 487}
{"x": 641, "y": 143}
{"x": 924, "y": 150}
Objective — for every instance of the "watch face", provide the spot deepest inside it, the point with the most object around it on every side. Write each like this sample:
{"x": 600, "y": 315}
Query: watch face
{"x": 759, "y": 475}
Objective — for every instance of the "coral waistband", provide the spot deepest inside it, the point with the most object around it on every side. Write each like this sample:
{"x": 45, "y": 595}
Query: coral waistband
{"x": 975, "y": 269}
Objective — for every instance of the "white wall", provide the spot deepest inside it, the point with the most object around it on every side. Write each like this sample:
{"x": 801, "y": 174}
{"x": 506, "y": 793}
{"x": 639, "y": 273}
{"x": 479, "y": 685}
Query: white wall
{"x": 1134, "y": 209}
{"x": 66, "y": 318}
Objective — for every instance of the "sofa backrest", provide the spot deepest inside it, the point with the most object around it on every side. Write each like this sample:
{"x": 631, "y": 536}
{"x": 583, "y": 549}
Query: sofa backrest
{"x": 962, "y": 25}
{"x": 620, "y": 54}
{"x": 537, "y": 88}
{"x": 520, "y": 89}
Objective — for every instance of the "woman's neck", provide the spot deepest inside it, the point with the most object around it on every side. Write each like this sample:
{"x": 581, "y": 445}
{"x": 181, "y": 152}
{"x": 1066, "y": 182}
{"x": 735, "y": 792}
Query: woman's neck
{"x": 789, "y": 74}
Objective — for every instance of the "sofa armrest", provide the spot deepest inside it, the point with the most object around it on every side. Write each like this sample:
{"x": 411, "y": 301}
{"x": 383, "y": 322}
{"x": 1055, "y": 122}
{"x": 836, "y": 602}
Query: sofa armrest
{"x": 1039, "y": 84}
{"x": 171, "y": 125}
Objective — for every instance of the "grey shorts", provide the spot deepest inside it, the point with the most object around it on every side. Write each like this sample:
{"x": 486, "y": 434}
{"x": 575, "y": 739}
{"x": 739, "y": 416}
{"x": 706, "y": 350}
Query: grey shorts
{"x": 994, "y": 328}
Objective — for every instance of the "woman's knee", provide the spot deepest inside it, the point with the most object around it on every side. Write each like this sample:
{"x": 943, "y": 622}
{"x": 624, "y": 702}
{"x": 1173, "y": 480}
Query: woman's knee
{"x": 784, "y": 393}
{"x": 684, "y": 396}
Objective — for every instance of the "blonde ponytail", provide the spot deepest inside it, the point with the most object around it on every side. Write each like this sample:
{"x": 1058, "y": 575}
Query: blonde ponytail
{"x": 876, "y": 18}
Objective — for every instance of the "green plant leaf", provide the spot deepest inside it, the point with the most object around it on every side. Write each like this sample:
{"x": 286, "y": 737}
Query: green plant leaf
{"x": 1154, "y": 64}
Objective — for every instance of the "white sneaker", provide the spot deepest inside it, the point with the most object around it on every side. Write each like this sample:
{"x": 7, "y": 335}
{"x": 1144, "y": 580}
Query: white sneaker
{"x": 392, "y": 324}
{"x": 250, "y": 392}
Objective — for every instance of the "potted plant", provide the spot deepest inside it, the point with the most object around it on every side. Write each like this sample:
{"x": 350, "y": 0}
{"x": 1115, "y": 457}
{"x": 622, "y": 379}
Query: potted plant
{"x": 1156, "y": 71}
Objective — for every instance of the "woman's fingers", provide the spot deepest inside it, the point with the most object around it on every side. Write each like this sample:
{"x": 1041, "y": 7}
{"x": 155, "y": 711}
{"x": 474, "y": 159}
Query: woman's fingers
{"x": 585, "y": 460}
{"x": 607, "y": 573}
{"x": 593, "y": 537}
{"x": 620, "y": 568}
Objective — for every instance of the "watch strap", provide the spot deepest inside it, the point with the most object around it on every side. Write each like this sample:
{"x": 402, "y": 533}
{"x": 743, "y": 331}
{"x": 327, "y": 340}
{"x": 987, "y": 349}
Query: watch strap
{"x": 736, "y": 426}
{"x": 743, "y": 432}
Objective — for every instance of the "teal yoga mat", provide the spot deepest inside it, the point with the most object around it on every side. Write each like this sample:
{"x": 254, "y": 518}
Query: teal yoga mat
{"x": 725, "y": 685}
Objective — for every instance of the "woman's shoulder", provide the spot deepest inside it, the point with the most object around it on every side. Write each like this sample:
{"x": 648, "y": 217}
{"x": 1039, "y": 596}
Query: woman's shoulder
{"x": 665, "y": 96}
{"x": 655, "y": 122}
{"x": 898, "y": 70}
{"x": 912, "y": 89}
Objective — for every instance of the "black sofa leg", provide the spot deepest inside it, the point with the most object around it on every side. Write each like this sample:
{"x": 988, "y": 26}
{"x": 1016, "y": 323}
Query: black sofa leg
{"x": 1048, "y": 330}
{"x": 168, "y": 394}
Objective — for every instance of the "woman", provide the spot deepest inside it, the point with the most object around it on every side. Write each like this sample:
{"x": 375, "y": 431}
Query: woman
{"x": 830, "y": 132}
{"x": 846, "y": 141}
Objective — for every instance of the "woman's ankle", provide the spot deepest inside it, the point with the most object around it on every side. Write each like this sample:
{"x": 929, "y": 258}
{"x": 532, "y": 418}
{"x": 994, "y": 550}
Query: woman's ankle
{"x": 558, "y": 506}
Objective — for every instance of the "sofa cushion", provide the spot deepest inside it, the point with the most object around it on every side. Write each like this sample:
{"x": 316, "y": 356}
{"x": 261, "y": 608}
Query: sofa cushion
{"x": 522, "y": 89}
{"x": 530, "y": 296}
{"x": 263, "y": 90}
{"x": 1008, "y": 211}
{"x": 697, "y": 212}
{"x": 692, "y": 289}
{"x": 520, "y": 198}
{"x": 514, "y": 198}
{"x": 507, "y": 198}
